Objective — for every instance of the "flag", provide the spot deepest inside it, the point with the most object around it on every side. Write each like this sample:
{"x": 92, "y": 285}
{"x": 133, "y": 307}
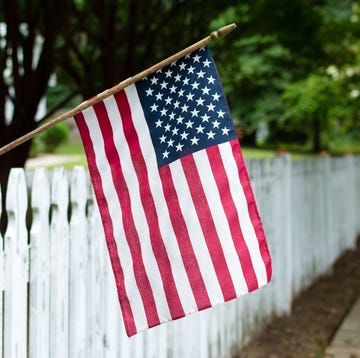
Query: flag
{"x": 180, "y": 220}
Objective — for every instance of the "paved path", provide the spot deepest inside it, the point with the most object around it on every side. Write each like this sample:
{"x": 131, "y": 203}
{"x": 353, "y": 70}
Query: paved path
{"x": 346, "y": 342}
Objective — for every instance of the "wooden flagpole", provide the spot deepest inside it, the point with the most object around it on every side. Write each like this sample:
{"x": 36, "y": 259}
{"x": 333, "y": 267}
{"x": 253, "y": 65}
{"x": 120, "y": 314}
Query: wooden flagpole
{"x": 220, "y": 33}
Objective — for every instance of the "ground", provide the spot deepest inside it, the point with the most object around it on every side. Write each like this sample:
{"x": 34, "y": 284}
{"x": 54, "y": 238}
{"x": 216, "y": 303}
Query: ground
{"x": 316, "y": 314}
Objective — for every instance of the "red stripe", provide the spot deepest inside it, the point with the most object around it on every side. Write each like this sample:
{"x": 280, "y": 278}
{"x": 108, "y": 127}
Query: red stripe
{"x": 107, "y": 224}
{"x": 232, "y": 216}
{"x": 147, "y": 201}
{"x": 183, "y": 239}
{"x": 131, "y": 233}
{"x": 252, "y": 208}
{"x": 208, "y": 227}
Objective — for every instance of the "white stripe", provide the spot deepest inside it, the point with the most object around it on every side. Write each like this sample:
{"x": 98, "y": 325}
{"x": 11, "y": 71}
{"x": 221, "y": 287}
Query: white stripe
{"x": 246, "y": 224}
{"x": 220, "y": 220}
{"x": 115, "y": 212}
{"x": 167, "y": 232}
{"x": 196, "y": 234}
{"x": 139, "y": 217}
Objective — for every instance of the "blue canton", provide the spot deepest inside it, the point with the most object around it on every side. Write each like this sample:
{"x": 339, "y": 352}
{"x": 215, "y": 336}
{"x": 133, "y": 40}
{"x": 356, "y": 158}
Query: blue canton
{"x": 185, "y": 107}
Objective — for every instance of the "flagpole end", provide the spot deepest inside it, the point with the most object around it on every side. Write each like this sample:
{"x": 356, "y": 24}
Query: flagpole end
{"x": 222, "y": 31}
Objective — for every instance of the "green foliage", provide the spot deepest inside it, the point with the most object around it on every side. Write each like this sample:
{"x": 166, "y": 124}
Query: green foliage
{"x": 293, "y": 68}
{"x": 50, "y": 139}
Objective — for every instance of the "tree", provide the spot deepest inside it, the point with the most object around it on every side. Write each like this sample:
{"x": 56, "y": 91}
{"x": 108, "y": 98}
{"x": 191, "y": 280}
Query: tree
{"x": 109, "y": 40}
{"x": 28, "y": 47}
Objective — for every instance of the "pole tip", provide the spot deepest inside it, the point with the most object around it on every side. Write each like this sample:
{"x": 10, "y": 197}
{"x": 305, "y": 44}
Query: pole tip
{"x": 222, "y": 31}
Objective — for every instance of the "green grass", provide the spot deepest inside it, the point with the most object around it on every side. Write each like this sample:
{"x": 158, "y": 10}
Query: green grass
{"x": 70, "y": 148}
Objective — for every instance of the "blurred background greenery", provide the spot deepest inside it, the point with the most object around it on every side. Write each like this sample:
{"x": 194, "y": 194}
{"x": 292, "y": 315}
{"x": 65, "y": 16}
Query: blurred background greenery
{"x": 291, "y": 69}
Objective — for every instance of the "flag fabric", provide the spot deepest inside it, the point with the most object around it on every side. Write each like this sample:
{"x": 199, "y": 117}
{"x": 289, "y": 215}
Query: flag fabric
{"x": 180, "y": 220}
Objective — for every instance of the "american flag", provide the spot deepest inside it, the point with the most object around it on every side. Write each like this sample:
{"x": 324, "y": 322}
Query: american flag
{"x": 179, "y": 215}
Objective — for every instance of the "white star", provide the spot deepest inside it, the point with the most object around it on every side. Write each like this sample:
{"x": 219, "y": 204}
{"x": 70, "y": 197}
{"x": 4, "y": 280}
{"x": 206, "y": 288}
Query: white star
{"x": 168, "y": 73}
{"x": 179, "y": 147}
{"x": 221, "y": 113}
{"x": 154, "y": 80}
{"x": 181, "y": 93}
{"x": 194, "y": 113}
{"x": 201, "y": 74}
{"x": 184, "y": 108}
{"x": 154, "y": 107}
{"x": 205, "y": 90}
{"x": 196, "y": 58}
{"x": 216, "y": 96}
{"x": 184, "y": 135}
{"x": 182, "y": 66}
{"x": 205, "y": 118}
{"x": 176, "y": 104}
{"x": 159, "y": 96}
{"x": 194, "y": 141}
{"x": 162, "y": 139}
{"x": 170, "y": 143}
{"x": 173, "y": 63}
{"x": 166, "y": 154}
{"x": 172, "y": 116}
{"x": 177, "y": 78}
{"x": 179, "y": 119}
{"x": 173, "y": 89}
{"x": 163, "y": 112}
{"x": 189, "y": 96}
{"x": 200, "y": 101}
{"x": 200, "y": 129}
{"x": 210, "y": 135}
{"x": 189, "y": 124}
{"x": 163, "y": 84}
{"x": 158, "y": 123}
{"x": 195, "y": 85}
{"x": 149, "y": 92}
{"x": 211, "y": 80}
{"x": 191, "y": 69}
{"x": 168, "y": 100}
{"x": 216, "y": 124}
{"x": 167, "y": 128}
{"x": 175, "y": 131}
{"x": 206, "y": 63}
{"x": 210, "y": 107}
{"x": 225, "y": 131}
{"x": 186, "y": 81}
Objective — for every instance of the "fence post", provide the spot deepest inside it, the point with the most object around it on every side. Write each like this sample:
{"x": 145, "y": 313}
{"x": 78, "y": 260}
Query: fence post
{"x": 59, "y": 265}
{"x": 78, "y": 263}
{"x": 16, "y": 267}
{"x": 39, "y": 268}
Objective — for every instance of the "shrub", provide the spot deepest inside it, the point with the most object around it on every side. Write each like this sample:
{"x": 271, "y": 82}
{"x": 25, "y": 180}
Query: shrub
{"x": 54, "y": 136}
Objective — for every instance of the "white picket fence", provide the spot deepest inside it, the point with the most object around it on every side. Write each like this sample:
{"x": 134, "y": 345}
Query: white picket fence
{"x": 59, "y": 297}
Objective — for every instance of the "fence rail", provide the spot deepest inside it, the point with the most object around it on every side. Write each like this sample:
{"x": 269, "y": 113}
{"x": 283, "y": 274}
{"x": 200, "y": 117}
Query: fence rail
{"x": 59, "y": 297}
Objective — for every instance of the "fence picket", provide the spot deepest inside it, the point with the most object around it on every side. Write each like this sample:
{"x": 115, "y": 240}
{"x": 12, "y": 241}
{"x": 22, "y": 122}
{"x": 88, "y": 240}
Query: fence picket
{"x": 39, "y": 328}
{"x": 94, "y": 280}
{"x": 78, "y": 264}
{"x": 59, "y": 265}
{"x": 16, "y": 267}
